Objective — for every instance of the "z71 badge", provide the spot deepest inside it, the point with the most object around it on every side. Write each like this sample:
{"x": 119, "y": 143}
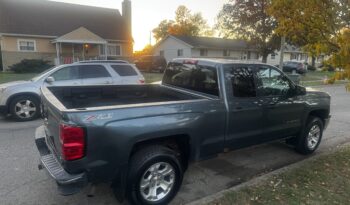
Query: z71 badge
{"x": 89, "y": 118}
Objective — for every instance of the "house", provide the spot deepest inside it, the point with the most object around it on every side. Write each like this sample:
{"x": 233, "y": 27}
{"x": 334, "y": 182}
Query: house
{"x": 295, "y": 54}
{"x": 174, "y": 46}
{"x": 63, "y": 33}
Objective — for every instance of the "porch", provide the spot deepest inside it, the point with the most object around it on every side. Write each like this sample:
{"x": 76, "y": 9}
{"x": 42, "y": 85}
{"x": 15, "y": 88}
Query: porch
{"x": 80, "y": 45}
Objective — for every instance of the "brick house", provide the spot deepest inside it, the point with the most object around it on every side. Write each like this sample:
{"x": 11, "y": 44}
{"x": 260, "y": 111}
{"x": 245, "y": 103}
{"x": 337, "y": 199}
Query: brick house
{"x": 63, "y": 33}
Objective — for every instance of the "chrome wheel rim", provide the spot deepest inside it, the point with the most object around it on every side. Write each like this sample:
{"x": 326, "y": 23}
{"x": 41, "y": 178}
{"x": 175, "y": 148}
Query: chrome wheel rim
{"x": 25, "y": 109}
{"x": 313, "y": 137}
{"x": 157, "y": 182}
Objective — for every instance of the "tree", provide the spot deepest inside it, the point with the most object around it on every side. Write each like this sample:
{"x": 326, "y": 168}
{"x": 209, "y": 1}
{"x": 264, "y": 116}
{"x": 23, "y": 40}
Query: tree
{"x": 185, "y": 23}
{"x": 147, "y": 50}
{"x": 249, "y": 20}
{"x": 319, "y": 25}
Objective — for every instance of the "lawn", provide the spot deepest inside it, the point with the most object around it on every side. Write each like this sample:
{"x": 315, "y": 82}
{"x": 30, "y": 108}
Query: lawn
{"x": 324, "y": 180}
{"x": 8, "y": 77}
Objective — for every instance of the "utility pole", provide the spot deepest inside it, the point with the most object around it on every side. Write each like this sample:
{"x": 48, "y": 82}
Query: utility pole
{"x": 283, "y": 42}
{"x": 150, "y": 38}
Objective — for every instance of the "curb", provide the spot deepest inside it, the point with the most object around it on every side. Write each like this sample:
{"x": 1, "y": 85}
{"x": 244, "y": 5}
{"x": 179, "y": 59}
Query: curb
{"x": 262, "y": 178}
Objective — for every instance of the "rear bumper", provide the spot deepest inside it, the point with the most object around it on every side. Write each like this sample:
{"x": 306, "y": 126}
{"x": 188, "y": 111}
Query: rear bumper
{"x": 68, "y": 184}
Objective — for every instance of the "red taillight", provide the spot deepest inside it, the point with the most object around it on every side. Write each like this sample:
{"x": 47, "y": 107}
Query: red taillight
{"x": 72, "y": 142}
{"x": 142, "y": 81}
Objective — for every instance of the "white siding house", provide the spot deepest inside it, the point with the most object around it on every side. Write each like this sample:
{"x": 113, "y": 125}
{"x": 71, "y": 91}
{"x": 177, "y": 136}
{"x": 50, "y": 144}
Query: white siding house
{"x": 203, "y": 47}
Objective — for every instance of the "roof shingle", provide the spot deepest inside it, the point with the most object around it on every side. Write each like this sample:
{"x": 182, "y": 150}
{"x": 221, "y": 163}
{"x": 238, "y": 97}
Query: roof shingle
{"x": 41, "y": 17}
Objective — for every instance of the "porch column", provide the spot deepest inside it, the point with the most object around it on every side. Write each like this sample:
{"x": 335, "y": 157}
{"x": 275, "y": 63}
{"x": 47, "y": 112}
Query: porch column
{"x": 58, "y": 54}
{"x": 83, "y": 52}
{"x": 106, "y": 50}
{"x": 73, "y": 53}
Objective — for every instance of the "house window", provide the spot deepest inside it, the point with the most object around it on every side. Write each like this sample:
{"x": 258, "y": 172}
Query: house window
{"x": 161, "y": 53}
{"x": 226, "y": 53}
{"x": 112, "y": 50}
{"x": 26, "y": 45}
{"x": 294, "y": 56}
{"x": 273, "y": 56}
{"x": 180, "y": 52}
{"x": 204, "y": 52}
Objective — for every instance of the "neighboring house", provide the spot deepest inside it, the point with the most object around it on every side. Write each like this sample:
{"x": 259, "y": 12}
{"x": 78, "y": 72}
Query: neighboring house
{"x": 204, "y": 47}
{"x": 63, "y": 33}
{"x": 293, "y": 53}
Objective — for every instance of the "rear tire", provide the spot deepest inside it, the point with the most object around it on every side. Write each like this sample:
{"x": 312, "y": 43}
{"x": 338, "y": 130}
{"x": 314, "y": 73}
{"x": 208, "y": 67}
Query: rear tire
{"x": 25, "y": 108}
{"x": 155, "y": 176}
{"x": 310, "y": 138}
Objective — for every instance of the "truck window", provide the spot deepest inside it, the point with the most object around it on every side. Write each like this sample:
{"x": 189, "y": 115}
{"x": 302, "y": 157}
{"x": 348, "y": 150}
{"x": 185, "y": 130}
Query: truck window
{"x": 272, "y": 82}
{"x": 243, "y": 82}
{"x": 93, "y": 71}
{"x": 193, "y": 77}
{"x": 124, "y": 70}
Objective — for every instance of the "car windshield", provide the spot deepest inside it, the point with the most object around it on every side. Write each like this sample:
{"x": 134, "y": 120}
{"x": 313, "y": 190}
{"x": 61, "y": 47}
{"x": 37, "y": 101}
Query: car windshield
{"x": 39, "y": 76}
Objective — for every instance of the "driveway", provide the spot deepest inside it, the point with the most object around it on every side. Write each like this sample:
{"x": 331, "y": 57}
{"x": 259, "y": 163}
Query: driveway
{"x": 22, "y": 183}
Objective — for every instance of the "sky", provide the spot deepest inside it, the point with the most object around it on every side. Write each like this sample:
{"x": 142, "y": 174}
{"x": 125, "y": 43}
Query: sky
{"x": 147, "y": 14}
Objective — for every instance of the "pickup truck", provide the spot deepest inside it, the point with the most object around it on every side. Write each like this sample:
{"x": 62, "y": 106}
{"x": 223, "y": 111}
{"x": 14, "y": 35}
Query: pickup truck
{"x": 141, "y": 138}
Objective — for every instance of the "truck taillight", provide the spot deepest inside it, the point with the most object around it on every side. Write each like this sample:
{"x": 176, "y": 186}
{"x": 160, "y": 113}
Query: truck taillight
{"x": 72, "y": 142}
{"x": 142, "y": 81}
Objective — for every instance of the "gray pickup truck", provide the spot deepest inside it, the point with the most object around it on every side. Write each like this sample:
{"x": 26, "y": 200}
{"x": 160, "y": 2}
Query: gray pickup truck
{"x": 141, "y": 138}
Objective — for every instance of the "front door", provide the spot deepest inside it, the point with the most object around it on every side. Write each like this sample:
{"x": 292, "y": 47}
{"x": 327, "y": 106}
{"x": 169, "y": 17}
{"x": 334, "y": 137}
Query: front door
{"x": 245, "y": 116}
{"x": 283, "y": 112}
{"x": 66, "y": 76}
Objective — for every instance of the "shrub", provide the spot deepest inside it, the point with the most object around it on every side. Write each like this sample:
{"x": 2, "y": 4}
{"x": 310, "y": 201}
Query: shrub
{"x": 311, "y": 68}
{"x": 31, "y": 66}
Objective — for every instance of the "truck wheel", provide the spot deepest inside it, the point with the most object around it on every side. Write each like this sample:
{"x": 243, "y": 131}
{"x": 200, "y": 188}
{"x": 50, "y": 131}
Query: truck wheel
{"x": 311, "y": 136}
{"x": 24, "y": 108}
{"x": 155, "y": 176}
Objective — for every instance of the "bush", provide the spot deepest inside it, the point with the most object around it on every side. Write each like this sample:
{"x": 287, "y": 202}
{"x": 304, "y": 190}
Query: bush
{"x": 31, "y": 66}
{"x": 311, "y": 68}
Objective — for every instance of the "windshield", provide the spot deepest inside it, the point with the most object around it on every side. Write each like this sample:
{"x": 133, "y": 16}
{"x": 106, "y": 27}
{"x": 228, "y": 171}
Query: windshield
{"x": 39, "y": 76}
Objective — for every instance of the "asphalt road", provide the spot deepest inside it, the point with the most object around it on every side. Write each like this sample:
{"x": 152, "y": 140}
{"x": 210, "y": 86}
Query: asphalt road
{"x": 22, "y": 183}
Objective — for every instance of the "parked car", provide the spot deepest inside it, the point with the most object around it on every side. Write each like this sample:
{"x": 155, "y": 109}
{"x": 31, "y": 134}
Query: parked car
{"x": 151, "y": 63}
{"x": 21, "y": 99}
{"x": 295, "y": 66}
{"x": 142, "y": 138}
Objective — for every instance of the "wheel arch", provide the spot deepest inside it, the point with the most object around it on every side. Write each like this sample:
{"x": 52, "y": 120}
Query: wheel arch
{"x": 9, "y": 100}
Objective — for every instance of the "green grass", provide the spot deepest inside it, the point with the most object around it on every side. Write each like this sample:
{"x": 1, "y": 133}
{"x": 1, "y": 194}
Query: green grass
{"x": 316, "y": 75}
{"x": 8, "y": 77}
{"x": 325, "y": 180}
{"x": 152, "y": 77}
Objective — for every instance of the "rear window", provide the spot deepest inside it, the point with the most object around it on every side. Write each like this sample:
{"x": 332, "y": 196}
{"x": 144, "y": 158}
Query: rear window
{"x": 194, "y": 77}
{"x": 124, "y": 70}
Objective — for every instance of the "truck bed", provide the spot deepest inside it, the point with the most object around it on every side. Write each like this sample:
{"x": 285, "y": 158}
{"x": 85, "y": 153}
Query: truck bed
{"x": 100, "y": 96}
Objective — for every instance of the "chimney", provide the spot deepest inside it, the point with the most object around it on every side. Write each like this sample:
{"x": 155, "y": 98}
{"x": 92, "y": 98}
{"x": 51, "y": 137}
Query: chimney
{"x": 127, "y": 15}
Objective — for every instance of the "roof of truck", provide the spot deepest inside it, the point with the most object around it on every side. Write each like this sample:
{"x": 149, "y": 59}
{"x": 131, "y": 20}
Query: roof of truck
{"x": 216, "y": 61}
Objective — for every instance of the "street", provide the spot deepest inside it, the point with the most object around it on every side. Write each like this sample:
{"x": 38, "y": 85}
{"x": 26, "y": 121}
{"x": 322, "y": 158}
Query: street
{"x": 22, "y": 183}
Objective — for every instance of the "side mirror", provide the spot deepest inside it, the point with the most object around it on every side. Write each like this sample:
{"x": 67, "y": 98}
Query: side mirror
{"x": 299, "y": 90}
{"x": 50, "y": 79}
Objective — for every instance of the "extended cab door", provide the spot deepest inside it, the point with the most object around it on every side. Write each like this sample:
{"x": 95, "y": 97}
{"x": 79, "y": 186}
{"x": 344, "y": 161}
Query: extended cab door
{"x": 245, "y": 113}
{"x": 282, "y": 111}
{"x": 95, "y": 75}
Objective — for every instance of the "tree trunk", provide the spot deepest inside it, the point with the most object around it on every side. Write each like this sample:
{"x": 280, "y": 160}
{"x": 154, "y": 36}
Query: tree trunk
{"x": 264, "y": 57}
{"x": 313, "y": 61}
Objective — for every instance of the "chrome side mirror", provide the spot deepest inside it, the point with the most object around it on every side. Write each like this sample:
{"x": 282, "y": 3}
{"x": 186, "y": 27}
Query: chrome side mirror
{"x": 50, "y": 79}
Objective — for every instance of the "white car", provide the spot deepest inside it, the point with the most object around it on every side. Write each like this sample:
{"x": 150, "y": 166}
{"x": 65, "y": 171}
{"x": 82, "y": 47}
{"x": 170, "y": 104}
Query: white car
{"x": 21, "y": 99}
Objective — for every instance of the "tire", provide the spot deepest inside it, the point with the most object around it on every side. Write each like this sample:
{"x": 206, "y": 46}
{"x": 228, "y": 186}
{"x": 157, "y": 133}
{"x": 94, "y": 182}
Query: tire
{"x": 140, "y": 168}
{"x": 307, "y": 143}
{"x": 30, "y": 110}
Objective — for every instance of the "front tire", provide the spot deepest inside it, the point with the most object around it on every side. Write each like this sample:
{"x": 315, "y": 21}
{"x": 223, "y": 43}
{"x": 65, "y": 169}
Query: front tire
{"x": 311, "y": 136}
{"x": 155, "y": 176}
{"x": 24, "y": 108}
